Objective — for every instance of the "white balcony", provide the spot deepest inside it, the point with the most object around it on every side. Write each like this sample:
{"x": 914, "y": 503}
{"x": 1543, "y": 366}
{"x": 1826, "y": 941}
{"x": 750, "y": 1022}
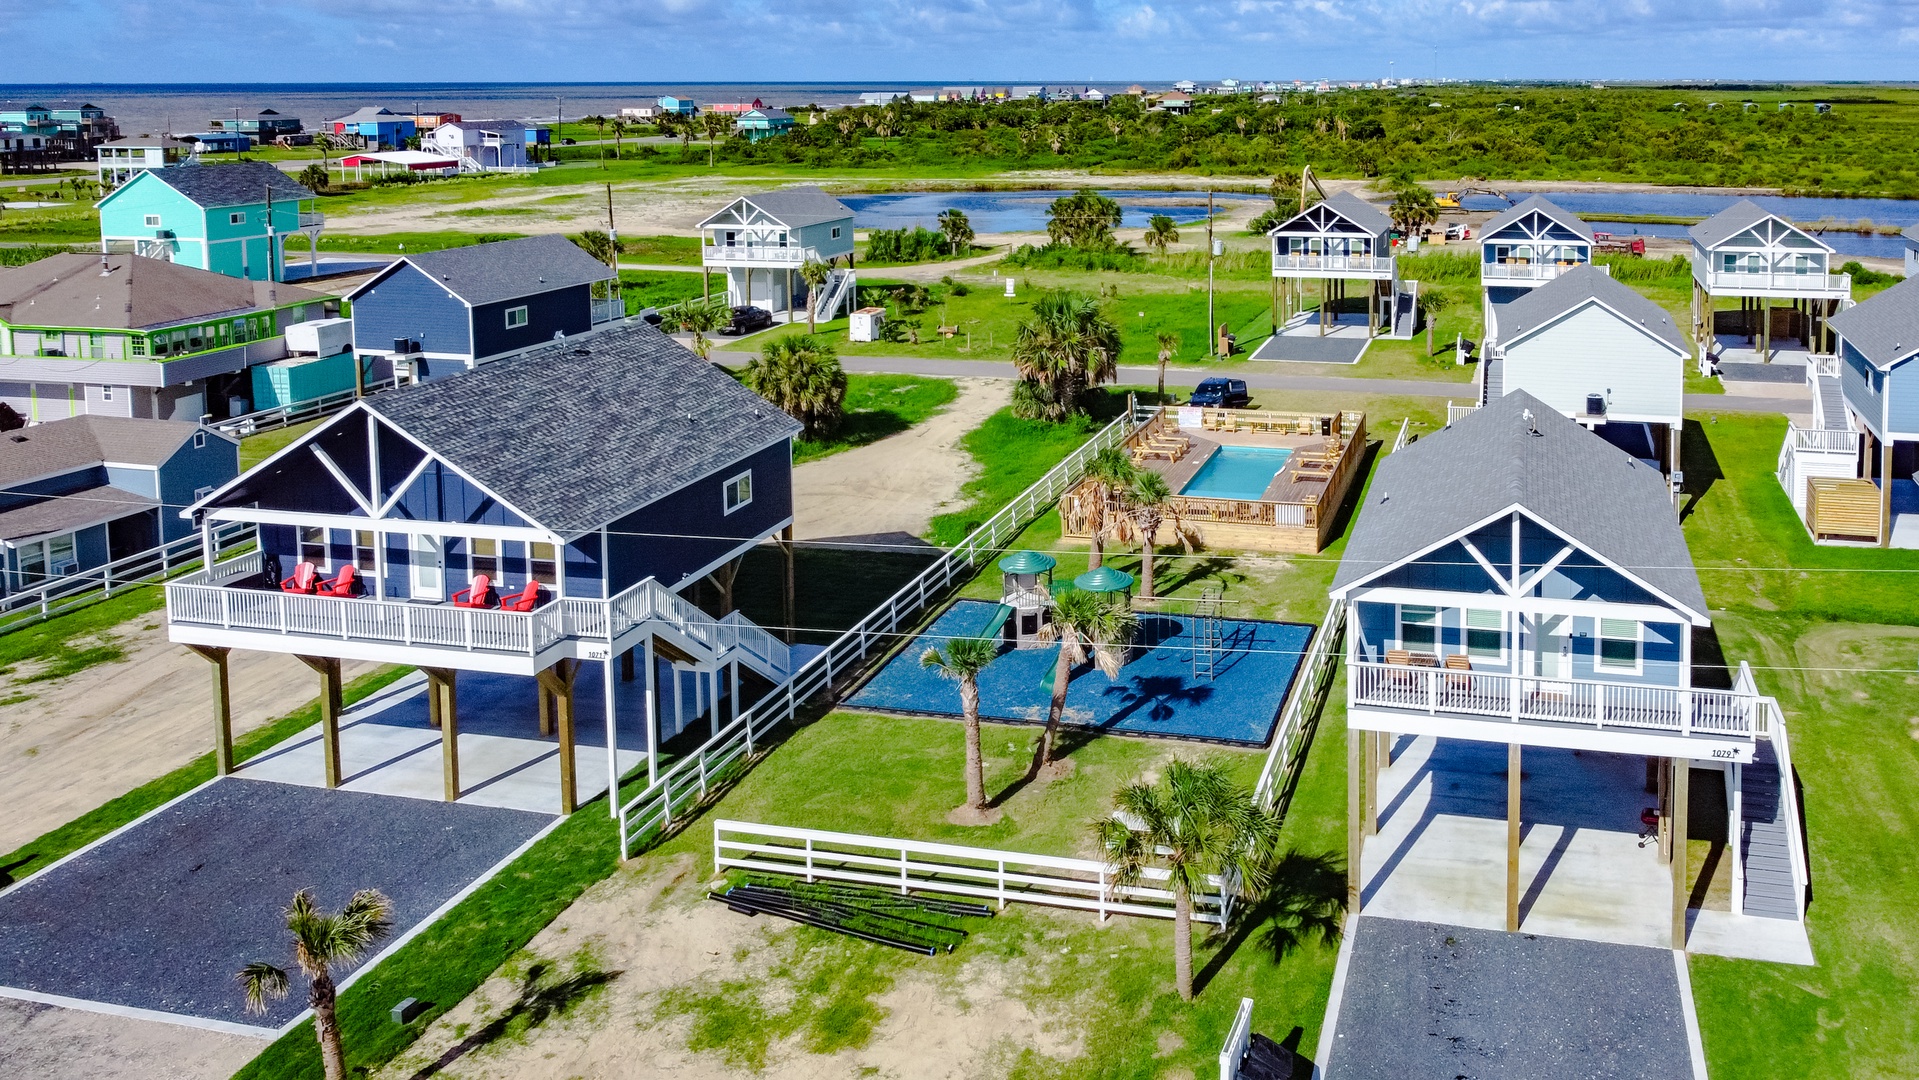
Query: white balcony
{"x": 613, "y": 307}
{"x": 757, "y": 255}
{"x": 1563, "y": 711}
{"x": 312, "y": 219}
{"x": 1525, "y": 273}
{"x": 1378, "y": 267}
{"x": 1785, "y": 282}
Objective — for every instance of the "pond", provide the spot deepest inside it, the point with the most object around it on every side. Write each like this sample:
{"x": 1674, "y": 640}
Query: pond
{"x": 1593, "y": 206}
{"x": 1021, "y": 211}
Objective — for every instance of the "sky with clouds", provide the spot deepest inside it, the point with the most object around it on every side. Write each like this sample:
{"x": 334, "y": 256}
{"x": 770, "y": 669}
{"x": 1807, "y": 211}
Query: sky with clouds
{"x": 763, "y": 41}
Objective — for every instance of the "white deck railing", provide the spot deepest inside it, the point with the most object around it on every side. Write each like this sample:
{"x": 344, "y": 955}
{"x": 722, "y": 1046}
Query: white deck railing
{"x": 1238, "y": 1038}
{"x": 56, "y": 595}
{"x": 1822, "y": 440}
{"x": 692, "y": 776}
{"x": 1381, "y": 265}
{"x": 1775, "y": 281}
{"x": 758, "y": 253}
{"x": 1518, "y": 698}
{"x": 1314, "y": 682}
{"x": 1533, "y": 271}
{"x": 955, "y": 869}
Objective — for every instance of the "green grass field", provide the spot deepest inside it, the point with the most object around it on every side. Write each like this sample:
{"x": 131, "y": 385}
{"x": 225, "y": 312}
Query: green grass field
{"x": 878, "y": 406}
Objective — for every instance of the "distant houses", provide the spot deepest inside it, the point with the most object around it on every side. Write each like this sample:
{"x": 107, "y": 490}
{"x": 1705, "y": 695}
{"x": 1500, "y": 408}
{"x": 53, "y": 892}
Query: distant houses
{"x": 264, "y": 126}
{"x": 488, "y": 145}
{"x": 64, "y": 130}
{"x": 120, "y": 159}
{"x": 1782, "y": 275}
{"x": 231, "y": 219}
{"x": 379, "y": 128}
{"x": 757, "y": 124}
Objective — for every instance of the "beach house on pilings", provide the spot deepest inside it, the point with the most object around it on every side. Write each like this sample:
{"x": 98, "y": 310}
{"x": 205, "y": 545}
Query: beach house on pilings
{"x": 760, "y": 242}
{"x": 543, "y": 510}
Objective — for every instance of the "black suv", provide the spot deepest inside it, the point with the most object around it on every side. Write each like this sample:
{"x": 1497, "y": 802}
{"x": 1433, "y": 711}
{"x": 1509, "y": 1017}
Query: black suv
{"x": 1221, "y": 394}
{"x": 747, "y": 319}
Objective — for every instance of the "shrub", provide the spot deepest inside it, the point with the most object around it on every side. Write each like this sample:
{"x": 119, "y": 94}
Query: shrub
{"x": 1863, "y": 276}
{"x": 1067, "y": 257}
{"x": 904, "y": 245}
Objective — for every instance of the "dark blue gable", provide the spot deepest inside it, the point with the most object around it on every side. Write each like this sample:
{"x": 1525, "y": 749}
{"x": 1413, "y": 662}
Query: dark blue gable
{"x": 39, "y": 490}
{"x": 406, "y": 303}
{"x": 689, "y": 529}
{"x": 561, "y": 311}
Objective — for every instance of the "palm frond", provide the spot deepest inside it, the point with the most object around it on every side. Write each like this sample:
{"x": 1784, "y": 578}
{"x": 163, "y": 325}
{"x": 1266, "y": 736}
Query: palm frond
{"x": 262, "y": 981}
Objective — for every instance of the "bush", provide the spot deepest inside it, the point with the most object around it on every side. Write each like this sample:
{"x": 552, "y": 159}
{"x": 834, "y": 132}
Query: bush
{"x": 1862, "y": 276}
{"x": 904, "y": 245}
{"x": 1066, "y": 257}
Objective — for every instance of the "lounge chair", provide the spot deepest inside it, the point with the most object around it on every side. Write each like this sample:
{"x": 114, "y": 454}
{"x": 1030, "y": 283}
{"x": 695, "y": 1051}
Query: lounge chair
{"x": 344, "y": 583}
{"x": 1458, "y": 662}
{"x": 477, "y": 595}
{"x": 1400, "y": 657}
{"x": 302, "y": 580}
{"x": 525, "y": 600}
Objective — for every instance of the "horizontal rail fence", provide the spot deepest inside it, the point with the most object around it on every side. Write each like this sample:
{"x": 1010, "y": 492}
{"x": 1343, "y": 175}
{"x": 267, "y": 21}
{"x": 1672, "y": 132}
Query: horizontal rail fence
{"x": 298, "y": 412}
{"x": 987, "y": 873}
{"x": 1238, "y": 1038}
{"x": 690, "y": 777}
{"x": 57, "y": 595}
{"x": 1310, "y": 690}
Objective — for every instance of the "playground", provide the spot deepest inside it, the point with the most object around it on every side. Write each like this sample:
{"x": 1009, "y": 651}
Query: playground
{"x": 1245, "y": 669}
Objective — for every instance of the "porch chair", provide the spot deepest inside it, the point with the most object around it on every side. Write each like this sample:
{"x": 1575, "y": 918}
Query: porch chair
{"x": 302, "y": 580}
{"x": 525, "y": 600}
{"x": 1458, "y": 684}
{"x": 1399, "y": 656}
{"x": 344, "y": 583}
{"x": 477, "y": 595}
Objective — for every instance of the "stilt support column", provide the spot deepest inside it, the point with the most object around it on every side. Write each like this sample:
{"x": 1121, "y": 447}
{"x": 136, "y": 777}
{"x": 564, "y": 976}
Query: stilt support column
{"x": 1355, "y": 811}
{"x": 1681, "y": 776}
{"x": 556, "y": 698}
{"x": 1513, "y": 785}
{"x": 331, "y": 704}
{"x": 443, "y": 712}
{"x": 216, "y": 656}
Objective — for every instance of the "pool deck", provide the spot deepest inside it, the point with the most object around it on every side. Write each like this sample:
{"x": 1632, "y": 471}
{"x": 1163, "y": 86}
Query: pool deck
{"x": 1286, "y": 486}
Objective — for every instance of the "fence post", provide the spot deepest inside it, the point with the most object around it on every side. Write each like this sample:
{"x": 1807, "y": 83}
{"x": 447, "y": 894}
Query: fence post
{"x": 809, "y": 860}
{"x": 903, "y": 879}
{"x": 1002, "y": 884}
{"x": 1102, "y": 893}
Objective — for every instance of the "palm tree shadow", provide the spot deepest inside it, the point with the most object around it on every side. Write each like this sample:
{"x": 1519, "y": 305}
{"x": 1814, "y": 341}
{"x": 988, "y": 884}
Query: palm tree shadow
{"x": 536, "y": 1004}
{"x": 1304, "y": 901}
{"x": 1160, "y": 696}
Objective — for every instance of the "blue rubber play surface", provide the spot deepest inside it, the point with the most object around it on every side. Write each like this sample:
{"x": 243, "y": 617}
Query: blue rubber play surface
{"x": 1155, "y": 693}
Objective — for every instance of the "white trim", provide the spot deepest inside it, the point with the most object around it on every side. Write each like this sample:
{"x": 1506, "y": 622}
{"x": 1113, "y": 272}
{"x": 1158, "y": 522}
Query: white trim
{"x": 339, "y": 474}
{"x": 522, "y": 311}
{"x": 1525, "y": 605}
{"x": 1342, "y": 967}
{"x": 1695, "y": 1046}
{"x": 727, "y": 506}
{"x": 356, "y": 407}
{"x": 225, "y": 1027}
{"x": 406, "y": 526}
{"x": 1638, "y": 665}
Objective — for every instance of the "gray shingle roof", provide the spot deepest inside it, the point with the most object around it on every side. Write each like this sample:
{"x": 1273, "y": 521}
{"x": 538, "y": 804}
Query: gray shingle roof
{"x": 81, "y": 442}
{"x": 1542, "y": 205}
{"x": 1728, "y": 223}
{"x": 583, "y": 431}
{"x": 1609, "y": 504}
{"x": 135, "y": 292}
{"x": 1575, "y": 287}
{"x": 1351, "y": 207}
{"x": 370, "y": 114}
{"x": 1885, "y": 328}
{"x": 797, "y": 207}
{"x": 239, "y": 183}
{"x": 1911, "y": 234}
{"x": 74, "y": 510}
{"x": 505, "y": 269}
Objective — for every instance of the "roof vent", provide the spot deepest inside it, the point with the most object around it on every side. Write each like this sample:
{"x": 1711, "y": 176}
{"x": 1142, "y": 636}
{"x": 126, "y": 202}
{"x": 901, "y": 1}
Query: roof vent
{"x": 19, "y": 438}
{"x": 582, "y": 352}
{"x": 1532, "y": 425}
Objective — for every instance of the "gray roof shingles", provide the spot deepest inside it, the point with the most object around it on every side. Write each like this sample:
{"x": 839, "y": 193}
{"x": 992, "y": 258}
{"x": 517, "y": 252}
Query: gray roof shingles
{"x": 1884, "y": 328}
{"x": 506, "y": 269}
{"x": 69, "y": 290}
{"x": 1537, "y": 204}
{"x": 85, "y": 441}
{"x": 1352, "y": 208}
{"x": 581, "y": 432}
{"x": 239, "y": 183}
{"x": 1727, "y": 223}
{"x": 1607, "y": 503}
{"x": 797, "y": 207}
{"x": 1577, "y": 286}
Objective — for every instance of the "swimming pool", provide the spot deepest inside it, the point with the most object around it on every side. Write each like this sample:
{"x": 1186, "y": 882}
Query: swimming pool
{"x": 1237, "y": 472}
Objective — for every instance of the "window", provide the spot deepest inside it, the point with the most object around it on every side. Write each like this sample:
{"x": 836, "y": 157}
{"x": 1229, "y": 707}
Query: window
{"x": 237, "y": 218}
{"x": 202, "y": 492}
{"x": 139, "y": 343}
{"x": 836, "y": 232}
{"x": 60, "y": 558}
{"x": 106, "y": 394}
{"x": 199, "y": 437}
{"x": 313, "y": 546}
{"x": 153, "y": 221}
{"x": 1485, "y": 635}
{"x": 486, "y": 558}
{"x": 542, "y": 564}
{"x": 363, "y": 551}
{"x": 33, "y": 564}
{"x": 1418, "y": 628}
{"x": 515, "y": 317}
{"x": 738, "y": 491}
{"x": 1618, "y": 645}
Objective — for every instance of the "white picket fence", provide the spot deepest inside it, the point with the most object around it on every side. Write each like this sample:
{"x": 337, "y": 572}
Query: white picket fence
{"x": 955, "y": 869}
{"x": 156, "y": 564}
{"x": 690, "y": 777}
{"x": 1310, "y": 687}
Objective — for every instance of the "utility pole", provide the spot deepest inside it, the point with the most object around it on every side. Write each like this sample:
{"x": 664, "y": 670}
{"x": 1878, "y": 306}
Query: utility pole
{"x": 1212, "y": 252}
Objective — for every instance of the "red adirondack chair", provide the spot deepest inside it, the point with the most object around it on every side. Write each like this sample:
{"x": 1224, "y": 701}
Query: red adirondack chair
{"x": 525, "y": 600}
{"x": 341, "y": 584}
{"x": 302, "y": 580}
{"x": 477, "y": 595}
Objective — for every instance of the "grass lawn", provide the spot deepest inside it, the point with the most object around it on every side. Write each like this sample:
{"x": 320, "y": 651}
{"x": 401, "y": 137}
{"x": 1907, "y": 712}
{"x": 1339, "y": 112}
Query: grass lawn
{"x": 55, "y": 642}
{"x": 656, "y": 289}
{"x": 878, "y": 406}
{"x": 257, "y": 448}
{"x": 394, "y": 243}
{"x": 672, "y": 250}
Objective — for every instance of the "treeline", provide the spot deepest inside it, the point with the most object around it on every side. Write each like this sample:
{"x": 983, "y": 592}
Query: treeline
{"x": 1546, "y": 133}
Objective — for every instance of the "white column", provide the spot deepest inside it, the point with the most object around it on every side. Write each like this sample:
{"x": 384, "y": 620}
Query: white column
{"x": 652, "y": 716}
{"x": 612, "y": 738}
{"x": 1735, "y": 845}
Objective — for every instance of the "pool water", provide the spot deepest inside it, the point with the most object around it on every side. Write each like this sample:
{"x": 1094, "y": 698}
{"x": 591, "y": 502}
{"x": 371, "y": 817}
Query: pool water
{"x": 1237, "y": 472}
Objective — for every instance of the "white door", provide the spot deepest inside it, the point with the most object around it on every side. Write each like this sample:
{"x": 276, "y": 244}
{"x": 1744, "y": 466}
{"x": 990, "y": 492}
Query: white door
{"x": 1553, "y": 648}
{"x": 429, "y": 568}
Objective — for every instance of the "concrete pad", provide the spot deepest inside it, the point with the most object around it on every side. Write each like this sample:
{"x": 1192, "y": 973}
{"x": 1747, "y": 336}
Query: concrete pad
{"x": 1584, "y": 872}
{"x": 1749, "y": 937}
{"x": 1300, "y": 341}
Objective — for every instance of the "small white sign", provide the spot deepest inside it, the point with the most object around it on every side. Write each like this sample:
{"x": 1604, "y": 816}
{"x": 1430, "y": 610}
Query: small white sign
{"x": 1189, "y": 417}
{"x": 596, "y": 652}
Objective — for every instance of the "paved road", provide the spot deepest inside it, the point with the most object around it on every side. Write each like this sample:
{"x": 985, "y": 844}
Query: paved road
{"x": 1272, "y": 380}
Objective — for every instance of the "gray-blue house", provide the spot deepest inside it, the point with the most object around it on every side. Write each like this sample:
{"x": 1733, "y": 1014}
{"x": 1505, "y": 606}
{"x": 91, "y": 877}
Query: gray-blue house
{"x": 78, "y": 493}
{"x": 1878, "y": 349}
{"x": 445, "y": 311}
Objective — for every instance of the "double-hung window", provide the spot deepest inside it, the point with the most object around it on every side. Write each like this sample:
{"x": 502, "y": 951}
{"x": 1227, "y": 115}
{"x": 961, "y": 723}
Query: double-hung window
{"x": 1619, "y": 646}
{"x": 486, "y": 558}
{"x": 1485, "y": 635}
{"x": 1418, "y": 628}
{"x": 363, "y": 556}
{"x": 738, "y": 491}
{"x": 541, "y": 563}
{"x": 515, "y": 317}
{"x": 313, "y": 546}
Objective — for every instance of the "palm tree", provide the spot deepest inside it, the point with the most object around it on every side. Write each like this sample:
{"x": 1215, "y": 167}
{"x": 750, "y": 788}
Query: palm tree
{"x": 1148, "y": 505}
{"x": 714, "y": 125}
{"x": 319, "y": 942}
{"x": 1413, "y": 208}
{"x": 1068, "y": 345}
{"x": 803, "y": 377}
{"x": 957, "y": 230}
{"x": 316, "y": 177}
{"x": 962, "y": 662}
{"x": 1109, "y": 473}
{"x": 814, "y": 273}
{"x": 1168, "y": 343}
{"x": 1161, "y": 231}
{"x": 698, "y": 318}
{"x": 619, "y": 131}
{"x": 1196, "y": 824}
{"x": 1081, "y": 621}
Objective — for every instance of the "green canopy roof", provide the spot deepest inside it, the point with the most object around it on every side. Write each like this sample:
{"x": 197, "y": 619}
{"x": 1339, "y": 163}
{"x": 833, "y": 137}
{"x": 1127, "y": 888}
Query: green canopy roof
{"x": 1104, "y": 580}
{"x": 1026, "y": 562}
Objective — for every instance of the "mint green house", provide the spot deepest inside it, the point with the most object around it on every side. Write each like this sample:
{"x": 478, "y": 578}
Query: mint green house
{"x": 231, "y": 219}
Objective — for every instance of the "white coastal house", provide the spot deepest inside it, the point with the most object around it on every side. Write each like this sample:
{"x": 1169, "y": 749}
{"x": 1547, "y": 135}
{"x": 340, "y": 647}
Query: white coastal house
{"x": 761, "y": 241}
{"x": 1751, "y": 253}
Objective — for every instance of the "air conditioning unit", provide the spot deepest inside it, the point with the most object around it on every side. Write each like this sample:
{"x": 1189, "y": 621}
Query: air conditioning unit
{"x": 65, "y": 568}
{"x": 1595, "y": 404}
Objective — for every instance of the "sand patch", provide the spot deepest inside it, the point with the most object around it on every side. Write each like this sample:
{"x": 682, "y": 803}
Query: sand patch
{"x": 47, "y": 1042}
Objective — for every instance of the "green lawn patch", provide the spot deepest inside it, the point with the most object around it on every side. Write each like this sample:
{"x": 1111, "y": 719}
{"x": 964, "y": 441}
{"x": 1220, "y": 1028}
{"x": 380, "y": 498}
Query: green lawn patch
{"x": 654, "y": 289}
{"x": 1012, "y": 454}
{"x": 257, "y": 448}
{"x": 672, "y": 250}
{"x": 878, "y": 406}
{"x": 395, "y": 243}
{"x": 58, "y": 641}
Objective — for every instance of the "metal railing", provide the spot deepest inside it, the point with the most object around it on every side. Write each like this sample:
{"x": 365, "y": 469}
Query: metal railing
{"x": 692, "y": 776}
{"x": 1520, "y": 698}
{"x": 56, "y": 595}
{"x": 607, "y": 310}
{"x": 955, "y": 869}
{"x": 312, "y": 219}
{"x": 298, "y": 412}
{"x": 1528, "y": 271}
{"x": 1303, "y": 705}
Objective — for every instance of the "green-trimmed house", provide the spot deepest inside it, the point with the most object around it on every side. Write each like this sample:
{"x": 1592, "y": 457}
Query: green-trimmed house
{"x": 232, "y": 219}
{"x": 120, "y": 335}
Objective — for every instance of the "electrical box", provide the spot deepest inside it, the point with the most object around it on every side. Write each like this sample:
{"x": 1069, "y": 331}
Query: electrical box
{"x": 866, "y": 324}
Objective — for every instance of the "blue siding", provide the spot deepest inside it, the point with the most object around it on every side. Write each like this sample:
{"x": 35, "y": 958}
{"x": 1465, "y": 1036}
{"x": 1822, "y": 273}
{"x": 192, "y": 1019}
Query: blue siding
{"x": 1449, "y": 569}
{"x": 677, "y": 535}
{"x": 440, "y": 494}
{"x": 582, "y": 575}
{"x": 90, "y": 546}
{"x": 28, "y": 494}
{"x": 1902, "y": 405}
{"x": 562, "y": 311}
{"x": 1860, "y": 381}
{"x": 1376, "y": 629}
{"x": 189, "y": 470}
{"x": 408, "y": 304}
{"x": 1662, "y": 654}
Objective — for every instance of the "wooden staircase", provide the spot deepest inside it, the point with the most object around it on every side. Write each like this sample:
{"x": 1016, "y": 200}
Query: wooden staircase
{"x": 1843, "y": 509}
